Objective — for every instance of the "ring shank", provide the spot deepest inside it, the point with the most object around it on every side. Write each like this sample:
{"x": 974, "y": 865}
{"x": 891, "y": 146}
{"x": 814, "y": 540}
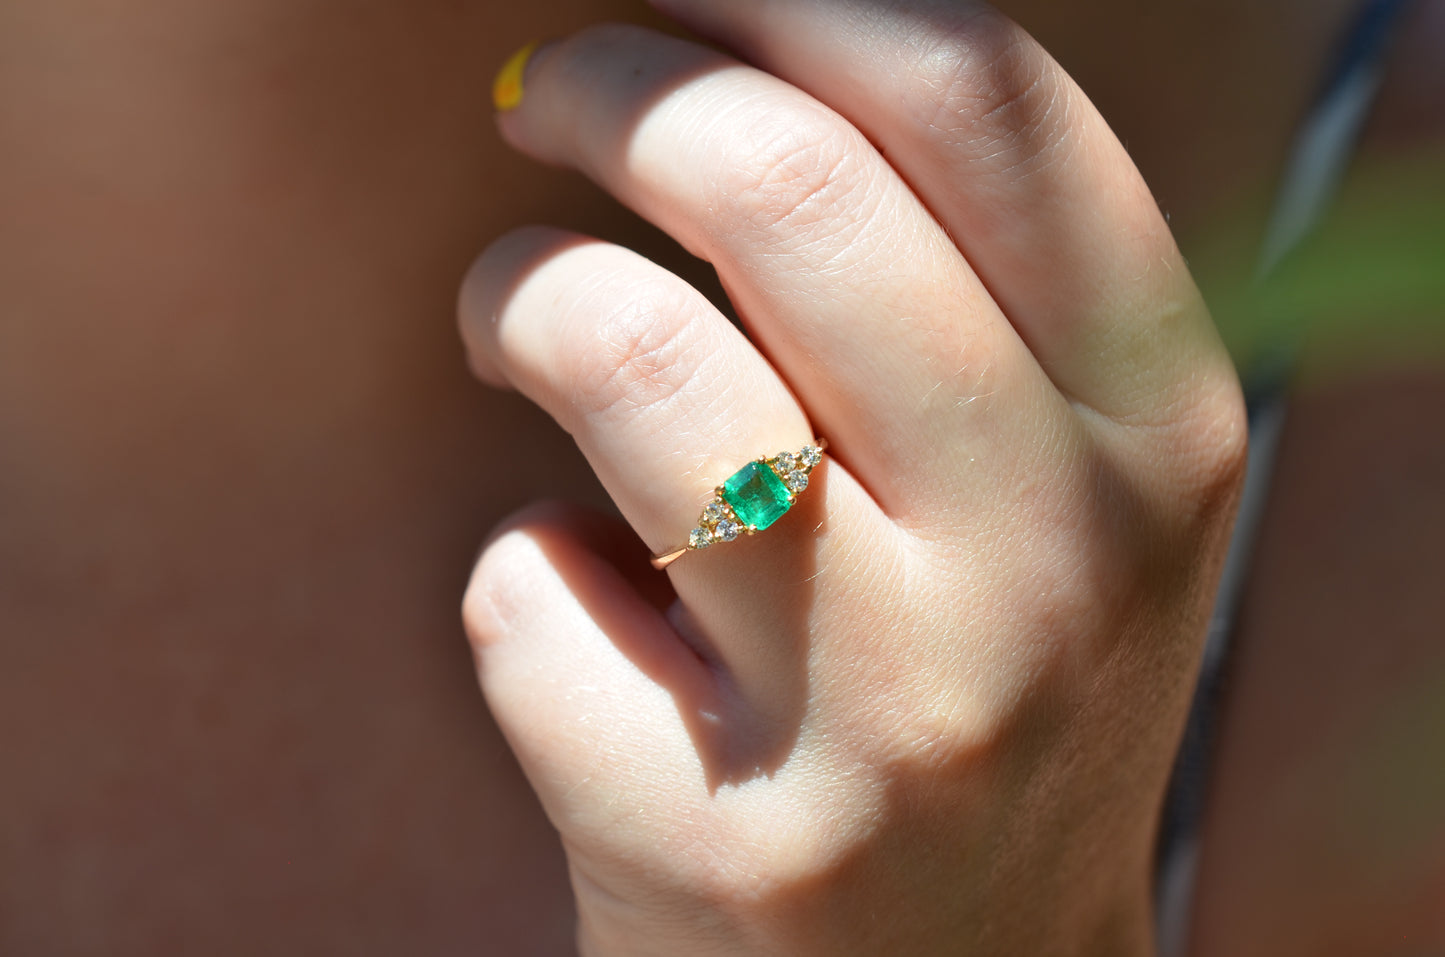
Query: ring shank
{"x": 662, "y": 560}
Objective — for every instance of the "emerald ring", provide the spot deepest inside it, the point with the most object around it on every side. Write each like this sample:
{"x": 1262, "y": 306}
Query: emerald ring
{"x": 757, "y": 495}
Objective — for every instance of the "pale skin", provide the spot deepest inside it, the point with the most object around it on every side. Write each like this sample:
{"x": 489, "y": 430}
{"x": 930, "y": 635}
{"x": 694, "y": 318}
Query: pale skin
{"x": 864, "y": 733}
{"x": 302, "y": 679}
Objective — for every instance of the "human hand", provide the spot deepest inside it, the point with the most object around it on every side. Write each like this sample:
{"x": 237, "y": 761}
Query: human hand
{"x": 934, "y": 710}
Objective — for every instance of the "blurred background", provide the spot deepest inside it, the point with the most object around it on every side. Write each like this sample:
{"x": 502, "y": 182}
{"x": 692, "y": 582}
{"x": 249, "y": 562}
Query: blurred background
{"x": 243, "y": 470}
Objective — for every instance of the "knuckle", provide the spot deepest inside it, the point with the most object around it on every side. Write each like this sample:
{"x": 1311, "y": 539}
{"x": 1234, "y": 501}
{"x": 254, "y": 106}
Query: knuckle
{"x": 986, "y": 89}
{"x": 641, "y": 351}
{"x": 796, "y": 173}
{"x": 1216, "y": 442}
{"x": 1197, "y": 450}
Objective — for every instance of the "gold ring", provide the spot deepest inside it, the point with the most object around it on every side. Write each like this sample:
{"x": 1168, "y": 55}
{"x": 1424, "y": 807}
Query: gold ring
{"x": 757, "y": 495}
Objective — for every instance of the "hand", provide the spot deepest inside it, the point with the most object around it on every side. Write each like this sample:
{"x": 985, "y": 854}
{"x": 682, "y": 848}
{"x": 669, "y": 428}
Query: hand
{"x": 933, "y": 709}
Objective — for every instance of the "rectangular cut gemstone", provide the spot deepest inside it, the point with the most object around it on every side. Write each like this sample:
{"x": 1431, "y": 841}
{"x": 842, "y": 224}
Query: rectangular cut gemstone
{"x": 758, "y": 497}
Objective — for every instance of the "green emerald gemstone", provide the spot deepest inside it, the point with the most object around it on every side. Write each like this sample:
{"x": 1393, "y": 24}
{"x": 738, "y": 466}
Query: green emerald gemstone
{"x": 758, "y": 497}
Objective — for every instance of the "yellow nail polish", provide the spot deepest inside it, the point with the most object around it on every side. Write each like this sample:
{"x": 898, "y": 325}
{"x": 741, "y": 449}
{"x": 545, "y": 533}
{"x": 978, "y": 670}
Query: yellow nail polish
{"x": 507, "y": 87}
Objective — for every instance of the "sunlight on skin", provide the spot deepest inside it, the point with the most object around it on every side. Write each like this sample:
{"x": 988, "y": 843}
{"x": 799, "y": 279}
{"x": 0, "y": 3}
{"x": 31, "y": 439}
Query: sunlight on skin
{"x": 245, "y": 472}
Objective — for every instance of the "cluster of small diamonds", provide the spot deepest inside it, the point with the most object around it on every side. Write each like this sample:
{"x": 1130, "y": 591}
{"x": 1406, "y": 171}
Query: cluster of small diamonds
{"x": 718, "y": 523}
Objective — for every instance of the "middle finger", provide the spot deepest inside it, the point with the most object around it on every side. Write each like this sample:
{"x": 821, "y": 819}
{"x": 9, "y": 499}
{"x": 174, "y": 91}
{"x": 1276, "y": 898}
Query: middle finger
{"x": 846, "y": 282}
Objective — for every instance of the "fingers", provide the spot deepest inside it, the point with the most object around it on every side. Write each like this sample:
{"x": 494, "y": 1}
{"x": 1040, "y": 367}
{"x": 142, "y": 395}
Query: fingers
{"x": 845, "y": 280}
{"x": 667, "y": 400}
{"x": 597, "y": 687}
{"x": 1016, "y": 163}
{"x": 664, "y": 397}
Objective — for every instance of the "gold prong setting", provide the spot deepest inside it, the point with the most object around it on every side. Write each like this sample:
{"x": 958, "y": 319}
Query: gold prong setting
{"x": 759, "y": 495}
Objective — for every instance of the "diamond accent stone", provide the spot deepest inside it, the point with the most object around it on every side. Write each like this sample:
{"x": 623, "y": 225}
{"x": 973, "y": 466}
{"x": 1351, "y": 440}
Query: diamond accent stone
{"x": 784, "y": 462}
{"x": 728, "y": 531}
{"x": 714, "y": 513}
{"x": 700, "y": 538}
{"x": 757, "y": 495}
{"x": 811, "y": 455}
{"x": 797, "y": 481}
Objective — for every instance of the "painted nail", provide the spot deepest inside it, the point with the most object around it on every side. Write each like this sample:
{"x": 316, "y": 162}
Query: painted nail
{"x": 507, "y": 87}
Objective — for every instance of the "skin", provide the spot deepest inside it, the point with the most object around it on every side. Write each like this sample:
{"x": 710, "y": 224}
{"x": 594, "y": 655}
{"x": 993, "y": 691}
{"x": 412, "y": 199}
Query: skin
{"x": 305, "y": 679}
{"x": 775, "y": 775}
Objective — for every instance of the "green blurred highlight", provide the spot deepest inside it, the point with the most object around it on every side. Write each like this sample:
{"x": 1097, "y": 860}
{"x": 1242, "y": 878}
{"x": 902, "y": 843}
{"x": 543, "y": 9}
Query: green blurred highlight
{"x": 1368, "y": 287}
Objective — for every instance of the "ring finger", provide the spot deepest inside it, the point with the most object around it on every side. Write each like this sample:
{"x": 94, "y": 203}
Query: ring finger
{"x": 666, "y": 399}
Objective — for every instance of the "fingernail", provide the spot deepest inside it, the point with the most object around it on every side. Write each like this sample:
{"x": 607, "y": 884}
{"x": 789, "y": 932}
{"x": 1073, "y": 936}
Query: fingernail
{"x": 507, "y": 87}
